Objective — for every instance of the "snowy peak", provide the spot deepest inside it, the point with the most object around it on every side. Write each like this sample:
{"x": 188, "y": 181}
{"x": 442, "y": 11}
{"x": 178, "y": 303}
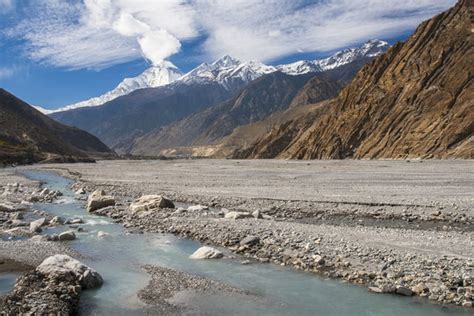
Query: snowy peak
{"x": 230, "y": 72}
{"x": 371, "y": 48}
{"x": 155, "y": 76}
{"x": 227, "y": 70}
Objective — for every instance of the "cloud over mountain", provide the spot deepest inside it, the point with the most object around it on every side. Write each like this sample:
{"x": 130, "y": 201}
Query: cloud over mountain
{"x": 100, "y": 33}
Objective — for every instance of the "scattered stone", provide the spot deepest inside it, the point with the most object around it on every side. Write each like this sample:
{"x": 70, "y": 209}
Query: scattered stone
{"x": 98, "y": 200}
{"x": 245, "y": 262}
{"x": 150, "y": 202}
{"x": 206, "y": 252}
{"x": 237, "y": 215}
{"x": 80, "y": 191}
{"x": 250, "y": 241}
{"x": 257, "y": 214}
{"x": 375, "y": 289}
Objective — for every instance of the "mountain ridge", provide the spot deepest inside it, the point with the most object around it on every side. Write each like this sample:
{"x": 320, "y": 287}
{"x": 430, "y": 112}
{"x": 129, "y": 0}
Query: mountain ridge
{"x": 225, "y": 70}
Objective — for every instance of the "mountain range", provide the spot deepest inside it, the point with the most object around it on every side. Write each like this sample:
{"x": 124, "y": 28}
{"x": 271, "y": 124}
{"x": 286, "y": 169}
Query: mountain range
{"x": 29, "y": 136}
{"x": 226, "y": 69}
{"x": 416, "y": 100}
{"x": 123, "y": 120}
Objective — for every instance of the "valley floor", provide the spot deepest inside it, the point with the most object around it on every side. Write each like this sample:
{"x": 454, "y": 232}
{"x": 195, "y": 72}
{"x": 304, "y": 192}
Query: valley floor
{"x": 391, "y": 225}
{"x": 404, "y": 227}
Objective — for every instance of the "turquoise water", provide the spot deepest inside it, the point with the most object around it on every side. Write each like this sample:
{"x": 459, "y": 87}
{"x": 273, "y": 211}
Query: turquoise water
{"x": 279, "y": 290}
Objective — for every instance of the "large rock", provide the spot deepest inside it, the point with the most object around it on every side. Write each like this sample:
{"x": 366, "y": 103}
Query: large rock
{"x": 150, "y": 202}
{"x": 68, "y": 235}
{"x": 58, "y": 265}
{"x": 98, "y": 199}
{"x": 207, "y": 252}
{"x": 35, "y": 226}
{"x": 10, "y": 207}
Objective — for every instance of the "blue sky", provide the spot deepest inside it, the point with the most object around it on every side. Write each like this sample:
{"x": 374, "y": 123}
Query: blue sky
{"x": 57, "y": 52}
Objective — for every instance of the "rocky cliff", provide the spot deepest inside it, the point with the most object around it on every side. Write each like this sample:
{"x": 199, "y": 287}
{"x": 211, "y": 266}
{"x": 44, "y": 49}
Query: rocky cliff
{"x": 416, "y": 100}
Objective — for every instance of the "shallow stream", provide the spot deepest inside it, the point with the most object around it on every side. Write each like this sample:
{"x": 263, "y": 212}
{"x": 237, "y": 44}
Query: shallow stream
{"x": 119, "y": 256}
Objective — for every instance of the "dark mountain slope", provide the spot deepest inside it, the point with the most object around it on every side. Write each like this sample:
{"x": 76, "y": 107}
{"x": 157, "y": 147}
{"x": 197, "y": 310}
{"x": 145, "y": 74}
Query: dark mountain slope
{"x": 268, "y": 94}
{"x": 120, "y": 121}
{"x": 27, "y": 136}
{"x": 417, "y": 100}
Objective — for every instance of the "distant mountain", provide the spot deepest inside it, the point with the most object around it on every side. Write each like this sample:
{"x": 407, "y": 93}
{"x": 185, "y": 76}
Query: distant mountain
{"x": 155, "y": 76}
{"x": 121, "y": 121}
{"x": 369, "y": 49}
{"x": 416, "y": 100}
{"x": 225, "y": 71}
{"x": 260, "y": 99}
{"x": 28, "y": 136}
{"x": 270, "y": 93}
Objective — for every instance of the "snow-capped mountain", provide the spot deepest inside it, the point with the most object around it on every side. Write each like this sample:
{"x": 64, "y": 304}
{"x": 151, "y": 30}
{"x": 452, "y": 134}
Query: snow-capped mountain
{"x": 369, "y": 49}
{"x": 226, "y": 70}
{"x": 229, "y": 72}
{"x": 155, "y": 76}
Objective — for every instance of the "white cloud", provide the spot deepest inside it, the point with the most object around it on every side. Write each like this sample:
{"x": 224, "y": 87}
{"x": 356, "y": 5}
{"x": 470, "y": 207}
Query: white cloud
{"x": 7, "y": 72}
{"x": 100, "y": 33}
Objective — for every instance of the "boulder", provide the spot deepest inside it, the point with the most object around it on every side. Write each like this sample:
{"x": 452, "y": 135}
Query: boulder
{"x": 402, "y": 290}
{"x": 58, "y": 265}
{"x": 68, "y": 235}
{"x": 250, "y": 241}
{"x": 237, "y": 215}
{"x": 150, "y": 202}
{"x": 56, "y": 221}
{"x": 98, "y": 200}
{"x": 35, "y": 226}
{"x": 207, "y": 252}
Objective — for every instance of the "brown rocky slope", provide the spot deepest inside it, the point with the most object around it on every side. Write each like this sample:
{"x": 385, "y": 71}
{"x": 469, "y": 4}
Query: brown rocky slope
{"x": 416, "y": 100}
{"x": 28, "y": 136}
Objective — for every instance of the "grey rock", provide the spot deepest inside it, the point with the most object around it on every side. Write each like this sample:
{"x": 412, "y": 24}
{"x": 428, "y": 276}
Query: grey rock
{"x": 207, "y": 252}
{"x": 98, "y": 199}
{"x": 250, "y": 241}
{"x": 150, "y": 202}
{"x": 68, "y": 235}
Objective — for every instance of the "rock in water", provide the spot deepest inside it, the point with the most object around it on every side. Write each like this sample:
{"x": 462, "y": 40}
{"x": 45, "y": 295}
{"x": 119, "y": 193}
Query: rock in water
{"x": 402, "y": 290}
{"x": 35, "y": 226}
{"x": 63, "y": 264}
{"x": 207, "y": 252}
{"x": 98, "y": 200}
{"x": 69, "y": 235}
{"x": 150, "y": 202}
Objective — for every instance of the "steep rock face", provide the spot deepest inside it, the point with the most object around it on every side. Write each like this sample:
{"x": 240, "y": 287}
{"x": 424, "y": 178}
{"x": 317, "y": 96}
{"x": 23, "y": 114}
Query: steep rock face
{"x": 27, "y": 136}
{"x": 417, "y": 100}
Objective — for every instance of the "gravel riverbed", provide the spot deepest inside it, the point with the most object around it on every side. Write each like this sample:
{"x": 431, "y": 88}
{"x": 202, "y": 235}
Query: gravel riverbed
{"x": 397, "y": 227}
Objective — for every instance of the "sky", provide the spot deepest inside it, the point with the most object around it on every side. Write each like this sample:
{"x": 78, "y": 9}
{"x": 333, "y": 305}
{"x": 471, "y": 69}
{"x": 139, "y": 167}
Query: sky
{"x": 57, "y": 52}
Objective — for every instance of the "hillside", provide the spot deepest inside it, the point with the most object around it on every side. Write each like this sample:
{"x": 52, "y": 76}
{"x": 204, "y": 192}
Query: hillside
{"x": 416, "y": 100}
{"x": 28, "y": 136}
